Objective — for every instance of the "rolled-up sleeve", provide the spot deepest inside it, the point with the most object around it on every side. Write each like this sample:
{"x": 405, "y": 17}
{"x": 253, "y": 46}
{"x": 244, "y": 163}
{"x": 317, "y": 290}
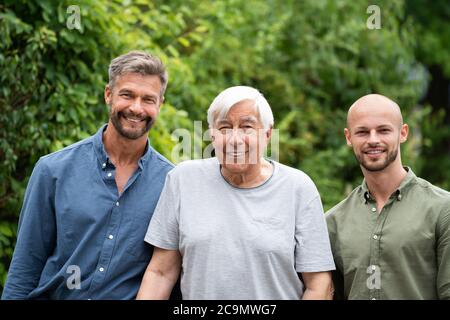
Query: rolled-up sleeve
{"x": 36, "y": 235}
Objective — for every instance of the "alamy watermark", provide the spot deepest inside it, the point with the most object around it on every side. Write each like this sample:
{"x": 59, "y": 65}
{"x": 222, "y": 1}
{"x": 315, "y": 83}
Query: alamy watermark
{"x": 374, "y": 280}
{"x": 74, "y": 19}
{"x": 232, "y": 146}
{"x": 374, "y": 20}
{"x": 74, "y": 280}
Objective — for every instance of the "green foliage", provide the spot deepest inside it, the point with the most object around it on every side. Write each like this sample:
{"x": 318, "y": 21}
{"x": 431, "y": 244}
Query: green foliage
{"x": 311, "y": 59}
{"x": 432, "y": 22}
{"x": 8, "y": 232}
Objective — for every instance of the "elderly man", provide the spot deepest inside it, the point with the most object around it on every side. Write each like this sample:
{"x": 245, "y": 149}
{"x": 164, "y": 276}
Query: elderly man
{"x": 87, "y": 206}
{"x": 238, "y": 225}
{"x": 391, "y": 236}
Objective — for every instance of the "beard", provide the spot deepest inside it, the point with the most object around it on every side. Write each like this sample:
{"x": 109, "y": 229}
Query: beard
{"x": 374, "y": 166}
{"x": 129, "y": 133}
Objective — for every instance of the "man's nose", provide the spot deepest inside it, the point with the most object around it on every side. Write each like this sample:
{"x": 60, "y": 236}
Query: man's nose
{"x": 235, "y": 138}
{"x": 373, "y": 137}
{"x": 136, "y": 106}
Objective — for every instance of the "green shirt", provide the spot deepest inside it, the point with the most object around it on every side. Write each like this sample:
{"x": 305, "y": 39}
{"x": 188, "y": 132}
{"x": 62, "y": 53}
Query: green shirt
{"x": 402, "y": 252}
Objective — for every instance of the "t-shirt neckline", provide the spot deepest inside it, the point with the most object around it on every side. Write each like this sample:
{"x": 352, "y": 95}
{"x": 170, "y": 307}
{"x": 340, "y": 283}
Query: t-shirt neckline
{"x": 273, "y": 163}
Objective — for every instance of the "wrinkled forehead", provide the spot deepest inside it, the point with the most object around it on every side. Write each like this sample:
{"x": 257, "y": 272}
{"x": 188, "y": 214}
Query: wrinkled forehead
{"x": 132, "y": 81}
{"x": 242, "y": 111}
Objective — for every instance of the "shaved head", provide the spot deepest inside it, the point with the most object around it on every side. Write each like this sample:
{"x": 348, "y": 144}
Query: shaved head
{"x": 375, "y": 131}
{"x": 375, "y": 104}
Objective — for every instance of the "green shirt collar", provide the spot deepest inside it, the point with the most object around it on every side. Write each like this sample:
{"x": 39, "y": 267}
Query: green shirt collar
{"x": 404, "y": 186}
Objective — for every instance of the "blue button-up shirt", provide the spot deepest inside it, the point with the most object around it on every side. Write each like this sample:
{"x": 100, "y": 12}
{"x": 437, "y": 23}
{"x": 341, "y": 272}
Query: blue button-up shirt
{"x": 78, "y": 238}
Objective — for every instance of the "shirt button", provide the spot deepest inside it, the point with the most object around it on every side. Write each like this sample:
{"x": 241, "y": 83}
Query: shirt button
{"x": 374, "y": 209}
{"x": 104, "y": 165}
{"x": 117, "y": 203}
{"x": 375, "y": 236}
{"x": 101, "y": 269}
{"x": 111, "y": 236}
{"x": 109, "y": 174}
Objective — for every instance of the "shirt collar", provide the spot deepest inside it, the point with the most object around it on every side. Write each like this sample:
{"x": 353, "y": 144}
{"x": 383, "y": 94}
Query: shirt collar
{"x": 399, "y": 193}
{"x": 102, "y": 155}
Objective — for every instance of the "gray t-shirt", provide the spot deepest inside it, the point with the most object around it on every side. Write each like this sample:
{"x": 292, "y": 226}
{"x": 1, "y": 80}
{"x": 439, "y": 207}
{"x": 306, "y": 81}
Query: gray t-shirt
{"x": 241, "y": 243}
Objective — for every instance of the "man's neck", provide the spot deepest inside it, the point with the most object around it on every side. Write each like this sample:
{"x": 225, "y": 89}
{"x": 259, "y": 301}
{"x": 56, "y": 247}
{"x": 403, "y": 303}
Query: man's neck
{"x": 255, "y": 176}
{"x": 382, "y": 184}
{"x": 123, "y": 151}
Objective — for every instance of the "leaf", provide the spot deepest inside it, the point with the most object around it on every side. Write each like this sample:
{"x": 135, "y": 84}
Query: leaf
{"x": 184, "y": 42}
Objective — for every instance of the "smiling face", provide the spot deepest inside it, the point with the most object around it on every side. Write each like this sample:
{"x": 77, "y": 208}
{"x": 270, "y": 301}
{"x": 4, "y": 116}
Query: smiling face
{"x": 375, "y": 131}
{"x": 239, "y": 139}
{"x": 134, "y": 104}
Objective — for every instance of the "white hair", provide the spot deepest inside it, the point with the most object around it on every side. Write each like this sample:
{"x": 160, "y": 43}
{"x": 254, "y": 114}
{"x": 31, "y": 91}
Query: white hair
{"x": 222, "y": 104}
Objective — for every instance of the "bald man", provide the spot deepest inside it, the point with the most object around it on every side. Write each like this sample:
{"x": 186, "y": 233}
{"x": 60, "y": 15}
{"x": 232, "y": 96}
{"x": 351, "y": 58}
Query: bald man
{"x": 391, "y": 236}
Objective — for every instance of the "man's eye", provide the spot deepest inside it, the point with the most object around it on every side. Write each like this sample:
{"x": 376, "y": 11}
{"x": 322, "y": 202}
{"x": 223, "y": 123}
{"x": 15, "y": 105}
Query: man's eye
{"x": 149, "y": 101}
{"x": 126, "y": 95}
{"x": 225, "y": 130}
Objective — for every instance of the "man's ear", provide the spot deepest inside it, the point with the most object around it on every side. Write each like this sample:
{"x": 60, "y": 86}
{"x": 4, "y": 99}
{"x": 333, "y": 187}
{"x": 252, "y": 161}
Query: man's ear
{"x": 269, "y": 133}
{"x": 348, "y": 137}
{"x": 108, "y": 94}
{"x": 211, "y": 134}
{"x": 404, "y": 133}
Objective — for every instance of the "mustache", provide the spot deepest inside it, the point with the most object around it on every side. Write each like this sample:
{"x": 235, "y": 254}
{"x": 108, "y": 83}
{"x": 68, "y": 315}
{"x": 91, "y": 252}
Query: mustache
{"x": 134, "y": 116}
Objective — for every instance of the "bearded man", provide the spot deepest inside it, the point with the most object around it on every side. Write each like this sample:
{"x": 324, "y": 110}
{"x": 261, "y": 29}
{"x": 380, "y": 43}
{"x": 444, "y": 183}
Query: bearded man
{"x": 87, "y": 206}
{"x": 391, "y": 236}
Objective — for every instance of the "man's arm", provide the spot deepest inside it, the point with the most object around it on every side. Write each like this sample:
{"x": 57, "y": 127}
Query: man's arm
{"x": 161, "y": 275}
{"x": 443, "y": 257}
{"x": 318, "y": 286}
{"x": 36, "y": 236}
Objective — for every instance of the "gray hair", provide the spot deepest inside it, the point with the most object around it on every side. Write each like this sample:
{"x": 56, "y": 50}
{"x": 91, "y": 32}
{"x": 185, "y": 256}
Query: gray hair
{"x": 222, "y": 104}
{"x": 138, "y": 62}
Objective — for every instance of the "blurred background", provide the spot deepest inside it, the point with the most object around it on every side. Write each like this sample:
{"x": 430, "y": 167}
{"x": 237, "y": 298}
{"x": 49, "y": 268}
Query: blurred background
{"x": 311, "y": 59}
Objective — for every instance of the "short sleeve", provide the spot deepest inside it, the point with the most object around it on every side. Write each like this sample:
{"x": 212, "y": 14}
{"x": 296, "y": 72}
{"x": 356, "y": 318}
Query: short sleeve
{"x": 163, "y": 230}
{"x": 312, "y": 244}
